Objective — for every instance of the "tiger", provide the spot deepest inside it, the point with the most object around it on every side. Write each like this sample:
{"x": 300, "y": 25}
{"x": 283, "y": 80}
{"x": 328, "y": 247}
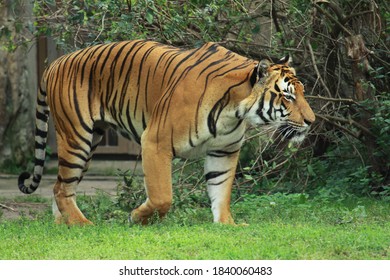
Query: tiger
{"x": 174, "y": 102}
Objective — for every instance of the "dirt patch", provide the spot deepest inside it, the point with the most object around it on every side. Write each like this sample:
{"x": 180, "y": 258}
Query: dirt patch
{"x": 14, "y": 210}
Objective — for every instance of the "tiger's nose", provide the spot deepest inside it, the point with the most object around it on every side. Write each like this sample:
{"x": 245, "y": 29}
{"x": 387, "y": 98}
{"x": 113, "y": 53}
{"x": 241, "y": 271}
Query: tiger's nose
{"x": 308, "y": 123}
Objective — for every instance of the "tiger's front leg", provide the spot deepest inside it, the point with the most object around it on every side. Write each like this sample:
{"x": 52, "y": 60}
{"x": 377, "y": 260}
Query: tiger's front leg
{"x": 220, "y": 168}
{"x": 156, "y": 164}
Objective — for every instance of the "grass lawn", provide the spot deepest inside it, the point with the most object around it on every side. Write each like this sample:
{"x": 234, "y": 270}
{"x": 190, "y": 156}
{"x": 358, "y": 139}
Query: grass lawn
{"x": 280, "y": 227}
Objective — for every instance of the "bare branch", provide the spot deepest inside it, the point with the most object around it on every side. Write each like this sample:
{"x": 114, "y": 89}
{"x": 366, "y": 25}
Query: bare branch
{"x": 350, "y": 121}
{"x": 7, "y": 207}
{"x": 329, "y": 16}
{"x": 342, "y": 100}
{"x": 316, "y": 68}
{"x": 343, "y": 128}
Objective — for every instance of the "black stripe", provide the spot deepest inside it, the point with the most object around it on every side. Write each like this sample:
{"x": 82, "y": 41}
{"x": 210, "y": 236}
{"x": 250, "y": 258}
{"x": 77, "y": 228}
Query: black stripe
{"x": 41, "y": 116}
{"x": 190, "y": 139}
{"x": 214, "y": 174}
{"x": 236, "y": 142}
{"x": 167, "y": 65}
{"x": 40, "y": 162}
{"x": 107, "y": 56}
{"x": 277, "y": 87}
{"x": 41, "y": 102}
{"x": 37, "y": 178}
{"x": 43, "y": 93}
{"x": 224, "y": 59}
{"x": 72, "y": 125}
{"x": 73, "y": 57}
{"x": 40, "y": 146}
{"x": 78, "y": 111}
{"x": 143, "y": 121}
{"x": 215, "y": 112}
{"x": 271, "y": 105}
{"x": 239, "y": 67}
{"x": 254, "y": 77}
{"x": 234, "y": 128}
{"x": 40, "y": 133}
{"x": 63, "y": 162}
{"x": 180, "y": 63}
{"x": 218, "y": 183}
{"x": 172, "y": 144}
{"x": 77, "y": 155}
{"x": 67, "y": 180}
{"x": 102, "y": 114}
{"x": 124, "y": 62}
{"x": 131, "y": 126}
{"x": 92, "y": 72}
{"x": 261, "y": 105}
{"x": 160, "y": 59}
{"x": 146, "y": 91}
{"x": 221, "y": 153}
{"x": 141, "y": 74}
{"x": 77, "y": 148}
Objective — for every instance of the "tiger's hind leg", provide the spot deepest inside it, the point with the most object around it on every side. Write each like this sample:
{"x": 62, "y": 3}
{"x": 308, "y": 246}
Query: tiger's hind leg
{"x": 59, "y": 218}
{"x": 73, "y": 157}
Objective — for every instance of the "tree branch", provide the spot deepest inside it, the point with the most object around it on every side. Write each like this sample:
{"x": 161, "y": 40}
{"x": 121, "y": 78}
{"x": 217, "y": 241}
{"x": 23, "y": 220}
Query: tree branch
{"x": 342, "y": 100}
{"x": 325, "y": 118}
{"x": 346, "y": 121}
{"x": 329, "y": 16}
{"x": 316, "y": 68}
{"x": 7, "y": 207}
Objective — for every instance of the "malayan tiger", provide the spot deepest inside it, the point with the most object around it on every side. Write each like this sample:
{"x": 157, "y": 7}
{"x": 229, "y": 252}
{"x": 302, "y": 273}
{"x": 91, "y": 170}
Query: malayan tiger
{"x": 174, "y": 102}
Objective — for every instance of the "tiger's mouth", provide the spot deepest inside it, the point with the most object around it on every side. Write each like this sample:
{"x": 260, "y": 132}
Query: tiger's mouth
{"x": 292, "y": 133}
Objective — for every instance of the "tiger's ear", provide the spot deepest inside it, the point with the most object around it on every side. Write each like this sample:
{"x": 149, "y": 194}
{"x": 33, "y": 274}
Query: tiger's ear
{"x": 285, "y": 60}
{"x": 262, "y": 68}
{"x": 260, "y": 71}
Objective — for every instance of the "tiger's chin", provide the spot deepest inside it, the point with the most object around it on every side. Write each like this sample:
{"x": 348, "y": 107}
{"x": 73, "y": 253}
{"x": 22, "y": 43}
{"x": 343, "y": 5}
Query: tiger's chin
{"x": 292, "y": 134}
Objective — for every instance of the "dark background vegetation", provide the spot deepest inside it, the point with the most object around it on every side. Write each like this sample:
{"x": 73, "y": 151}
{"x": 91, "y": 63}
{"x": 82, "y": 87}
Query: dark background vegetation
{"x": 340, "y": 50}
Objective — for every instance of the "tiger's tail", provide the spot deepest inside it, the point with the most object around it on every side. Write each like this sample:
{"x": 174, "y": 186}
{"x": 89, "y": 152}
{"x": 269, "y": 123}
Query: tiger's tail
{"x": 41, "y": 128}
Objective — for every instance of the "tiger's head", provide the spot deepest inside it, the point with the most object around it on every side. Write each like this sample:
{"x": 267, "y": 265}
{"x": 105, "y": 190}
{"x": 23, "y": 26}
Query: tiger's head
{"x": 277, "y": 99}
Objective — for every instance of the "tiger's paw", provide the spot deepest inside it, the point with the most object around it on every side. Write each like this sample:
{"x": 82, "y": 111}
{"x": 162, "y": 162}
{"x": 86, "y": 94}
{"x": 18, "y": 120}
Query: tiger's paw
{"x": 135, "y": 218}
{"x": 59, "y": 220}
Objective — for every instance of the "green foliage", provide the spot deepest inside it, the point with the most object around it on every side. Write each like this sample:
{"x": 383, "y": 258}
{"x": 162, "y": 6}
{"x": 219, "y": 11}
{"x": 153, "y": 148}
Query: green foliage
{"x": 15, "y": 31}
{"x": 131, "y": 191}
{"x": 99, "y": 208}
{"x": 190, "y": 23}
{"x": 12, "y": 166}
{"x": 339, "y": 173}
{"x": 381, "y": 125}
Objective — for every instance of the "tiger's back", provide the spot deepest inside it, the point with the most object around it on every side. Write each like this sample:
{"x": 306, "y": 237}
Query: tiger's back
{"x": 125, "y": 84}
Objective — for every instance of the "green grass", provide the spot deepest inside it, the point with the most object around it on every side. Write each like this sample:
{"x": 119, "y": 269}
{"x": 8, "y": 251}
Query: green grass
{"x": 280, "y": 227}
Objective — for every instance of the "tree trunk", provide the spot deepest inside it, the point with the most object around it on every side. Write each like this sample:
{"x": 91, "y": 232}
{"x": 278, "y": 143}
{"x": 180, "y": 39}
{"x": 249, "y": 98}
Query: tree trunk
{"x": 358, "y": 53}
{"x": 17, "y": 86}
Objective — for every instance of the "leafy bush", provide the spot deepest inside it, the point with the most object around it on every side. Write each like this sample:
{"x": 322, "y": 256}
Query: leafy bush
{"x": 381, "y": 125}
